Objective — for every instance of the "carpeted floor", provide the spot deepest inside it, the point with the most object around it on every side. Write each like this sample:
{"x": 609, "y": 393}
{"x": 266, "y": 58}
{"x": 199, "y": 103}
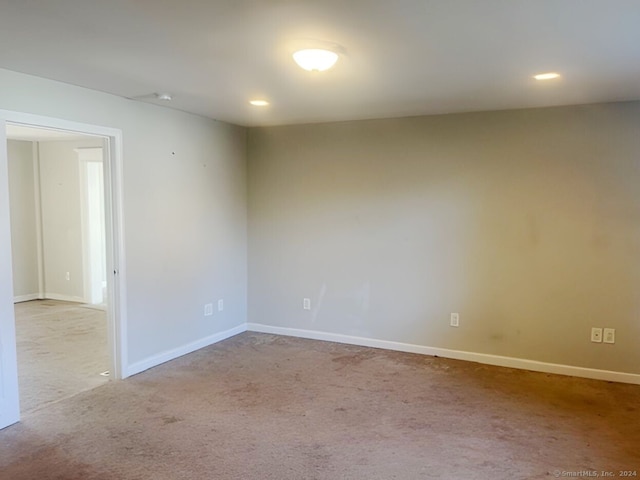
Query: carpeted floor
{"x": 62, "y": 349}
{"x": 266, "y": 407}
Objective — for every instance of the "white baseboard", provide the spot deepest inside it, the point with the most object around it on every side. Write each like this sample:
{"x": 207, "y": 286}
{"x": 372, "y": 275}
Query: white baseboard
{"x": 26, "y": 298}
{"x": 496, "y": 360}
{"x": 161, "y": 358}
{"x": 63, "y": 298}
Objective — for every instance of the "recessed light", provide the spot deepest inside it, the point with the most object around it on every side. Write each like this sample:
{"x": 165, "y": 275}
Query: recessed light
{"x": 315, "y": 59}
{"x": 546, "y": 76}
{"x": 163, "y": 96}
{"x": 259, "y": 103}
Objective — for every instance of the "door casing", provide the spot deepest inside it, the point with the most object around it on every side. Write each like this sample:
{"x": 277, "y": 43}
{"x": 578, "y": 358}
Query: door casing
{"x": 115, "y": 256}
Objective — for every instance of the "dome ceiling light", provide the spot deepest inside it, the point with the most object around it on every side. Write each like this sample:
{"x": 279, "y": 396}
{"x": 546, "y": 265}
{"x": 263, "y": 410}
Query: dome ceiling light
{"x": 315, "y": 59}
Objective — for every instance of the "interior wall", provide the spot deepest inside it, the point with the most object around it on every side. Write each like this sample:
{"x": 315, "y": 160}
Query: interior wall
{"x": 62, "y": 217}
{"x": 526, "y": 223}
{"x": 184, "y": 210}
{"x": 23, "y": 219}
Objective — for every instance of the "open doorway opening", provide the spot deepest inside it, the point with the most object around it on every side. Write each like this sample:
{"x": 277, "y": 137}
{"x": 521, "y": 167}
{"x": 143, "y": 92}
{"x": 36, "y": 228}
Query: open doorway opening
{"x": 56, "y": 193}
{"x": 115, "y": 271}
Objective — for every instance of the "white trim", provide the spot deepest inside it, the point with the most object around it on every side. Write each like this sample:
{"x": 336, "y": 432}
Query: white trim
{"x": 26, "y": 298}
{"x": 82, "y": 187}
{"x": 113, "y": 155}
{"x": 487, "y": 359}
{"x": 85, "y": 156}
{"x": 174, "y": 353}
{"x": 51, "y": 123}
{"x": 63, "y": 298}
{"x": 9, "y": 395}
{"x": 37, "y": 195}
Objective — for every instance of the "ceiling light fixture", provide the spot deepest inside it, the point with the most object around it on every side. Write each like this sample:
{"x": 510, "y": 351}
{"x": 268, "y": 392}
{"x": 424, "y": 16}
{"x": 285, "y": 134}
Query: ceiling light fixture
{"x": 315, "y": 59}
{"x": 163, "y": 96}
{"x": 259, "y": 103}
{"x": 546, "y": 76}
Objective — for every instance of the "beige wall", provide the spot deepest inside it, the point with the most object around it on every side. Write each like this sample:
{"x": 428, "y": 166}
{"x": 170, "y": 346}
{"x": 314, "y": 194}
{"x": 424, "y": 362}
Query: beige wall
{"x": 62, "y": 217}
{"x": 525, "y": 222}
{"x": 23, "y": 219}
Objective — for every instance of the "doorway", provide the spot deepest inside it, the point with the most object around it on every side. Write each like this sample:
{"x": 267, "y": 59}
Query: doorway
{"x": 56, "y": 190}
{"x": 98, "y": 283}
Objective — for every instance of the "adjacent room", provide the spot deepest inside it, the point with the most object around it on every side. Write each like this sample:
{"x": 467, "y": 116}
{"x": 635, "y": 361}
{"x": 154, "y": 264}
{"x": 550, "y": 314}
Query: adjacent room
{"x": 336, "y": 240}
{"x": 58, "y": 256}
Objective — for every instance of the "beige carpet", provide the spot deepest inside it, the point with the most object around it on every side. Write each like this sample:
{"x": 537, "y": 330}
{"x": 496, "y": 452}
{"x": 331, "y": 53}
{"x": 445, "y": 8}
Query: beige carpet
{"x": 265, "y": 407}
{"x": 62, "y": 349}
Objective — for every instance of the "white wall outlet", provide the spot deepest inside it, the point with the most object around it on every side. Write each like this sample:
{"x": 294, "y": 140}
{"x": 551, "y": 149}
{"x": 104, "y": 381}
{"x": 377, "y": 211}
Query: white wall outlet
{"x": 67, "y": 276}
{"x": 306, "y": 303}
{"x": 208, "y": 309}
{"x": 609, "y": 335}
{"x": 220, "y": 305}
{"x": 454, "y": 320}
{"x": 596, "y": 335}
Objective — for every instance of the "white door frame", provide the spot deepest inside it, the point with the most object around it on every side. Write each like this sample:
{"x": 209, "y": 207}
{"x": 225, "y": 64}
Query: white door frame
{"x": 88, "y": 156}
{"x": 114, "y": 228}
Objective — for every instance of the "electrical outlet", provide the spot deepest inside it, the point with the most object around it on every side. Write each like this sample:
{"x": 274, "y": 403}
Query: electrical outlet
{"x": 454, "y": 320}
{"x": 306, "y": 303}
{"x": 596, "y": 335}
{"x": 67, "y": 276}
{"x": 220, "y": 305}
{"x": 609, "y": 335}
{"x": 208, "y": 310}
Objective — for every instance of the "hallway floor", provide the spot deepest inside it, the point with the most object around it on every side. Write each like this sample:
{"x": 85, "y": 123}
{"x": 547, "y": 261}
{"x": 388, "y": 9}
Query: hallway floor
{"x": 62, "y": 349}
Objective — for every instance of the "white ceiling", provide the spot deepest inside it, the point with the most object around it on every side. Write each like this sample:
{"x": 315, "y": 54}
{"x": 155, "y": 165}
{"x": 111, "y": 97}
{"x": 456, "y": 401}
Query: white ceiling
{"x": 402, "y": 57}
